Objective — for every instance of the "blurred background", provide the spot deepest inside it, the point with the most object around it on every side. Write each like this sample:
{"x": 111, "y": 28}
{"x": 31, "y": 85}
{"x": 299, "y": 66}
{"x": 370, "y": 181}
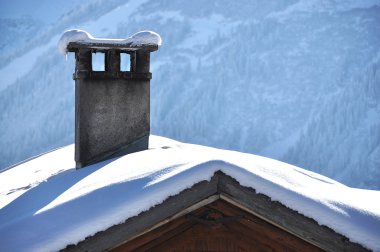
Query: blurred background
{"x": 294, "y": 80}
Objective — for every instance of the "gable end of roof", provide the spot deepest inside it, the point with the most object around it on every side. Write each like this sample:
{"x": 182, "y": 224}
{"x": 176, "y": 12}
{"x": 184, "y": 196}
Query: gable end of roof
{"x": 221, "y": 186}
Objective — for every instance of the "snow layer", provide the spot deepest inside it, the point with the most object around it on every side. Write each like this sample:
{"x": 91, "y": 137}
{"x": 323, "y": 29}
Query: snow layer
{"x": 137, "y": 39}
{"x": 74, "y": 35}
{"x": 50, "y": 204}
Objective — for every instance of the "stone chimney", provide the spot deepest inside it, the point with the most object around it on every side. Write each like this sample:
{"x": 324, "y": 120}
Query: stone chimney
{"x": 112, "y": 107}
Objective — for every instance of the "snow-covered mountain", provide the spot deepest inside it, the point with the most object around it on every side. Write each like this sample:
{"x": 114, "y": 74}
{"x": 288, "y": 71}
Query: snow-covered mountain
{"x": 298, "y": 81}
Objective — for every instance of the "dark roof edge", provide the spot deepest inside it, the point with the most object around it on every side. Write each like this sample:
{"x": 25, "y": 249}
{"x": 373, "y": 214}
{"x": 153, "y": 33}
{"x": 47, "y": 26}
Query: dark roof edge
{"x": 221, "y": 186}
{"x": 283, "y": 217}
{"x": 103, "y": 46}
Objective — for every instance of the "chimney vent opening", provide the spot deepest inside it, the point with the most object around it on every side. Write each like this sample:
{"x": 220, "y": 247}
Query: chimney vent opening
{"x": 125, "y": 62}
{"x": 98, "y": 61}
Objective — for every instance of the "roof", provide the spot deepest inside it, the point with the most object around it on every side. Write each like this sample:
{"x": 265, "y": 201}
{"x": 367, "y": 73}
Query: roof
{"x": 51, "y": 204}
{"x": 136, "y": 232}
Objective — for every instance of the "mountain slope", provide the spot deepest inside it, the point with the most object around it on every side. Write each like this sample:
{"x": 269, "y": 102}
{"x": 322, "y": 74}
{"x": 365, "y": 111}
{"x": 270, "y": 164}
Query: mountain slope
{"x": 293, "y": 80}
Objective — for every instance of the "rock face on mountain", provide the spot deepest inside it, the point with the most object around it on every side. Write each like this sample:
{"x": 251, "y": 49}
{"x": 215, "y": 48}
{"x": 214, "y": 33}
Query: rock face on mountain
{"x": 293, "y": 80}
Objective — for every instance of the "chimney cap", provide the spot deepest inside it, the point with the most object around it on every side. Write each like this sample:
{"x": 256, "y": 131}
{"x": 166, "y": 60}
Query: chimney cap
{"x": 72, "y": 40}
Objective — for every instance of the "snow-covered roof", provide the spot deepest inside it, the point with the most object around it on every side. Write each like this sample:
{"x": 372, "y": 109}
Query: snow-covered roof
{"x": 47, "y": 204}
{"x": 138, "y": 40}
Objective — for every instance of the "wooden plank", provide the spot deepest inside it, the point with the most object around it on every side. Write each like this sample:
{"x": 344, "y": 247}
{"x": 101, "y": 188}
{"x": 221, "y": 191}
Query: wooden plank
{"x": 267, "y": 233}
{"x": 156, "y": 236}
{"x": 284, "y": 217}
{"x": 203, "y": 238}
{"x": 247, "y": 234}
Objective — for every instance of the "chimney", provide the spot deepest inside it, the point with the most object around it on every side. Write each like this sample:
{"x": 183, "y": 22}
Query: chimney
{"x": 112, "y": 107}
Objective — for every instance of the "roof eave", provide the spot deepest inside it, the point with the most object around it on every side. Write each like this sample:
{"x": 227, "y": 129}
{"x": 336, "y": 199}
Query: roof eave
{"x": 221, "y": 186}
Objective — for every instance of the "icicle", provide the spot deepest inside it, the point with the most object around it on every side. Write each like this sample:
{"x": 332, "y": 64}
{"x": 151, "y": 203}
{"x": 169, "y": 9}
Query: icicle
{"x": 66, "y": 56}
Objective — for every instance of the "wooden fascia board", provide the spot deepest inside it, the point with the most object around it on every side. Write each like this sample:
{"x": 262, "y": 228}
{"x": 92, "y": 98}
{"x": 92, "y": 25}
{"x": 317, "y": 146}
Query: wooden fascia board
{"x": 283, "y": 217}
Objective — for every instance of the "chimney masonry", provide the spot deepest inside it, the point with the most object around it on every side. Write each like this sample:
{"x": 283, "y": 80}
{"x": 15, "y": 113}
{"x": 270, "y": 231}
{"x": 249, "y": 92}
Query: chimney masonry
{"x": 112, "y": 107}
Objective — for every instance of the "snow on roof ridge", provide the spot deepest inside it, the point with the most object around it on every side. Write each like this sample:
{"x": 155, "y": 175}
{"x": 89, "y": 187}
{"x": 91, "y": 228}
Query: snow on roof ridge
{"x": 138, "y": 39}
{"x": 33, "y": 195}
